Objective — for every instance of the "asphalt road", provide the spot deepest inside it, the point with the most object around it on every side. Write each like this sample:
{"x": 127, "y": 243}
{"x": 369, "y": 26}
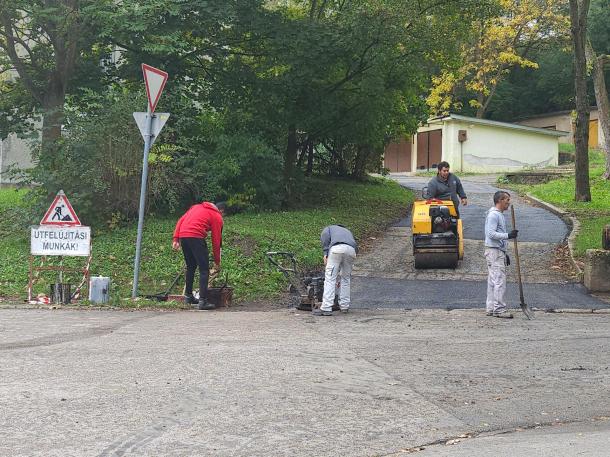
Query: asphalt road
{"x": 385, "y": 276}
{"x": 443, "y": 294}
{"x": 534, "y": 224}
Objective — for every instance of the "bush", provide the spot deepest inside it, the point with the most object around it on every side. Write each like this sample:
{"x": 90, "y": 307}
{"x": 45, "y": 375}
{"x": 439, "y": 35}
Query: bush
{"x": 98, "y": 163}
{"x": 239, "y": 168}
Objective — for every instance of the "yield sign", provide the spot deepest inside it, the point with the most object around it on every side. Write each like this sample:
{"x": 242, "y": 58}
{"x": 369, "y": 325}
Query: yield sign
{"x": 60, "y": 212}
{"x": 158, "y": 121}
{"x": 155, "y": 82}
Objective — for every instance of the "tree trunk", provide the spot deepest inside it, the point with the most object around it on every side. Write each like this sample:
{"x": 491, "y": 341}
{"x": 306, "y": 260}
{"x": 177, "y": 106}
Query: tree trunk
{"x": 362, "y": 155}
{"x": 290, "y": 157}
{"x": 601, "y": 98}
{"x": 309, "y": 170}
{"x": 578, "y": 28}
{"x": 53, "y": 117}
{"x": 482, "y": 106}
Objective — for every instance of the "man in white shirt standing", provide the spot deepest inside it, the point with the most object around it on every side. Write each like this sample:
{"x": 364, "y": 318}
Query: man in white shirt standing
{"x": 496, "y": 244}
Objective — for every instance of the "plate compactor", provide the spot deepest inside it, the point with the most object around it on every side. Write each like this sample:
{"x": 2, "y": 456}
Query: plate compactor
{"x": 437, "y": 234}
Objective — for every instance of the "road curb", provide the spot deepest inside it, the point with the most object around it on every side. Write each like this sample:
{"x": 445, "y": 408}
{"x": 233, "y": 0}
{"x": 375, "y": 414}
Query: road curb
{"x": 572, "y": 223}
{"x": 575, "y": 311}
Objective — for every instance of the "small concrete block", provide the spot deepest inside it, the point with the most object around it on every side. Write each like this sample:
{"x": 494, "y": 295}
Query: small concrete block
{"x": 597, "y": 270}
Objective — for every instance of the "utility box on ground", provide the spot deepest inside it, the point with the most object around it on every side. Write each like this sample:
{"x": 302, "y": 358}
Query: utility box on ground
{"x": 99, "y": 289}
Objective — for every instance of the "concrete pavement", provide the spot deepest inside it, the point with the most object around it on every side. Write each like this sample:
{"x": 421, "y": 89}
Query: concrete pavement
{"x": 115, "y": 383}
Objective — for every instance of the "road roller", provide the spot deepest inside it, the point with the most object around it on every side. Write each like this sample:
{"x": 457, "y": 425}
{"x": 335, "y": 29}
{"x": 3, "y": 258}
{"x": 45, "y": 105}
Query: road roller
{"x": 437, "y": 234}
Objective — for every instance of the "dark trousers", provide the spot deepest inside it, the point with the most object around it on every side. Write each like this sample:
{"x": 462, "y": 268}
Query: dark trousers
{"x": 195, "y": 252}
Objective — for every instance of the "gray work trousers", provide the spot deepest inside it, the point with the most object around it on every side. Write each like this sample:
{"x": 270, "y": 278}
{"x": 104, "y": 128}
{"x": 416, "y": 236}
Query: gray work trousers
{"x": 496, "y": 280}
{"x": 339, "y": 263}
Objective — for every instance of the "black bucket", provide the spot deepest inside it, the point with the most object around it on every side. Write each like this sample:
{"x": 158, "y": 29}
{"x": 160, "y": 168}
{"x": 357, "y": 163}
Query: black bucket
{"x": 60, "y": 293}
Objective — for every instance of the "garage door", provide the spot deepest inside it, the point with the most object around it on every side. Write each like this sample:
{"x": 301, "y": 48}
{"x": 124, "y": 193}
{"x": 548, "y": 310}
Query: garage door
{"x": 397, "y": 157}
{"x": 429, "y": 149}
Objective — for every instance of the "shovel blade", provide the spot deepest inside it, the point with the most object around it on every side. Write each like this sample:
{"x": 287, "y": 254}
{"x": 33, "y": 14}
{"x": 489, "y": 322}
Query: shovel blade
{"x": 527, "y": 311}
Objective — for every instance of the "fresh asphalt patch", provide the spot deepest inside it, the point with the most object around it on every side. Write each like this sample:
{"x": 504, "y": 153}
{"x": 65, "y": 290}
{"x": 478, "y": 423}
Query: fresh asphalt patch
{"x": 371, "y": 293}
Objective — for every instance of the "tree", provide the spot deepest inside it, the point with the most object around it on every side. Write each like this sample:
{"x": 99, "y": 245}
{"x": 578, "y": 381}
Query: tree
{"x": 339, "y": 79}
{"x": 498, "y": 43}
{"x": 597, "y": 61}
{"x": 43, "y": 40}
{"x": 579, "y": 10}
{"x": 528, "y": 91}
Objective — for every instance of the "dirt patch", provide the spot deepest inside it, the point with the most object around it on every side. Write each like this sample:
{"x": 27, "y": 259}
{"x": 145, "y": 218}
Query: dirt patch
{"x": 562, "y": 262}
{"x": 269, "y": 304}
{"x": 246, "y": 244}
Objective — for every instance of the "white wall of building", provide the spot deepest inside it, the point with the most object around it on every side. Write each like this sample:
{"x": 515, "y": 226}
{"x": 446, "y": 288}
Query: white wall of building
{"x": 490, "y": 148}
{"x": 14, "y": 152}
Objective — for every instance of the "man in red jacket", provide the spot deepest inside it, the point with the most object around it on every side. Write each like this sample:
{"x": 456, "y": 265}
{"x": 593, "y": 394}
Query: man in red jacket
{"x": 190, "y": 234}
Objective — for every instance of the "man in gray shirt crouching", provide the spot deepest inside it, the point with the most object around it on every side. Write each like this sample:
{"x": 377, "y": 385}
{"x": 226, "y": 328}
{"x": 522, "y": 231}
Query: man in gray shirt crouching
{"x": 339, "y": 249}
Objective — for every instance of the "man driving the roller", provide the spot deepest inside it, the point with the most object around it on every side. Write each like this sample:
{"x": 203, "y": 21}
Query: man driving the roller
{"x": 447, "y": 186}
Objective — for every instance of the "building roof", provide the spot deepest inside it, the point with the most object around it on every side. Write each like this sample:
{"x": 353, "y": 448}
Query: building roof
{"x": 505, "y": 125}
{"x": 551, "y": 114}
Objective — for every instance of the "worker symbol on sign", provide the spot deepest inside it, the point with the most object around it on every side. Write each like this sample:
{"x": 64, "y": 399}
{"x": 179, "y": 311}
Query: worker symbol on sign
{"x": 58, "y": 215}
{"x": 60, "y": 212}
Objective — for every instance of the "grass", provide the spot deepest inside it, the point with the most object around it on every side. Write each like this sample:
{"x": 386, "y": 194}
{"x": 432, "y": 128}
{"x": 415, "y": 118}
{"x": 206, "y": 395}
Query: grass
{"x": 593, "y": 215}
{"x": 363, "y": 207}
{"x": 10, "y": 197}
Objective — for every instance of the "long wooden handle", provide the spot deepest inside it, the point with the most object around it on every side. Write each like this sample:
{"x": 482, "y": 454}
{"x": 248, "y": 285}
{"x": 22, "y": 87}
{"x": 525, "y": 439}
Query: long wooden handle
{"x": 517, "y": 262}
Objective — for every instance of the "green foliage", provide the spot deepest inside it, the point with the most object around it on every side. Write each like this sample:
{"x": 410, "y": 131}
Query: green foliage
{"x": 593, "y": 215}
{"x": 341, "y": 79}
{"x": 241, "y": 169}
{"x": 568, "y": 147}
{"x": 363, "y": 207}
{"x": 10, "y": 198}
{"x": 597, "y": 28}
{"x": 98, "y": 163}
{"x": 529, "y": 91}
{"x": 590, "y": 234}
{"x": 560, "y": 192}
{"x": 551, "y": 87}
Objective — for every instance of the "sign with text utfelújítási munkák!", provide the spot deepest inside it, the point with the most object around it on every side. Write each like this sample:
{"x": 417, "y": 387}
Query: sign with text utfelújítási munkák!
{"x": 67, "y": 241}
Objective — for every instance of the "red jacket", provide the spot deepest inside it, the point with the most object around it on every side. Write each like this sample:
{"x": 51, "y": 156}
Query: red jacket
{"x": 197, "y": 222}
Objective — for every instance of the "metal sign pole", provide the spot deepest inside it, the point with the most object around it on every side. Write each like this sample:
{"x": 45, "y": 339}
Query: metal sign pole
{"x": 147, "y": 142}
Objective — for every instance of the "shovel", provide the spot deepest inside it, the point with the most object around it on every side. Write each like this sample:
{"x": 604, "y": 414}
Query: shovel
{"x": 164, "y": 296}
{"x": 527, "y": 311}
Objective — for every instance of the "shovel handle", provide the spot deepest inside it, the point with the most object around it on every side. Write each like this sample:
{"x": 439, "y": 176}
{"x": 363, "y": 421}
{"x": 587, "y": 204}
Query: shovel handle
{"x": 517, "y": 262}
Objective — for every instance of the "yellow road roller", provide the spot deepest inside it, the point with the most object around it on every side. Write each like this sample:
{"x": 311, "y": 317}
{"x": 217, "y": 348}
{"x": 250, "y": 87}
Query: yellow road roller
{"x": 437, "y": 234}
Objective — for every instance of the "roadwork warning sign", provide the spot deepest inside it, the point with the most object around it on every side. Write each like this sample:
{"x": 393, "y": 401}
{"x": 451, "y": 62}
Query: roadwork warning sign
{"x": 60, "y": 212}
{"x": 66, "y": 240}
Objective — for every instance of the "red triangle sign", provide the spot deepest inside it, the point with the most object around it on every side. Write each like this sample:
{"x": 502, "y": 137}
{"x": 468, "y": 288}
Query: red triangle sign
{"x": 155, "y": 80}
{"x": 60, "y": 212}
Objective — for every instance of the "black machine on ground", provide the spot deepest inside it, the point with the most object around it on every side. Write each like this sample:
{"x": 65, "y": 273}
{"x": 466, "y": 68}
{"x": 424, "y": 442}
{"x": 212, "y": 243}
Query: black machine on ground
{"x": 305, "y": 290}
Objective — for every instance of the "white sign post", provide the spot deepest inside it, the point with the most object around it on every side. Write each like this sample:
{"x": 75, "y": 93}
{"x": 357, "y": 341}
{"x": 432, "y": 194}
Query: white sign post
{"x": 60, "y": 233}
{"x": 150, "y": 125}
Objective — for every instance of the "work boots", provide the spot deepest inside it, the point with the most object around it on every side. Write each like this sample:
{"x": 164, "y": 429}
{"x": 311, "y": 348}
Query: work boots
{"x": 204, "y": 305}
{"x": 190, "y": 299}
